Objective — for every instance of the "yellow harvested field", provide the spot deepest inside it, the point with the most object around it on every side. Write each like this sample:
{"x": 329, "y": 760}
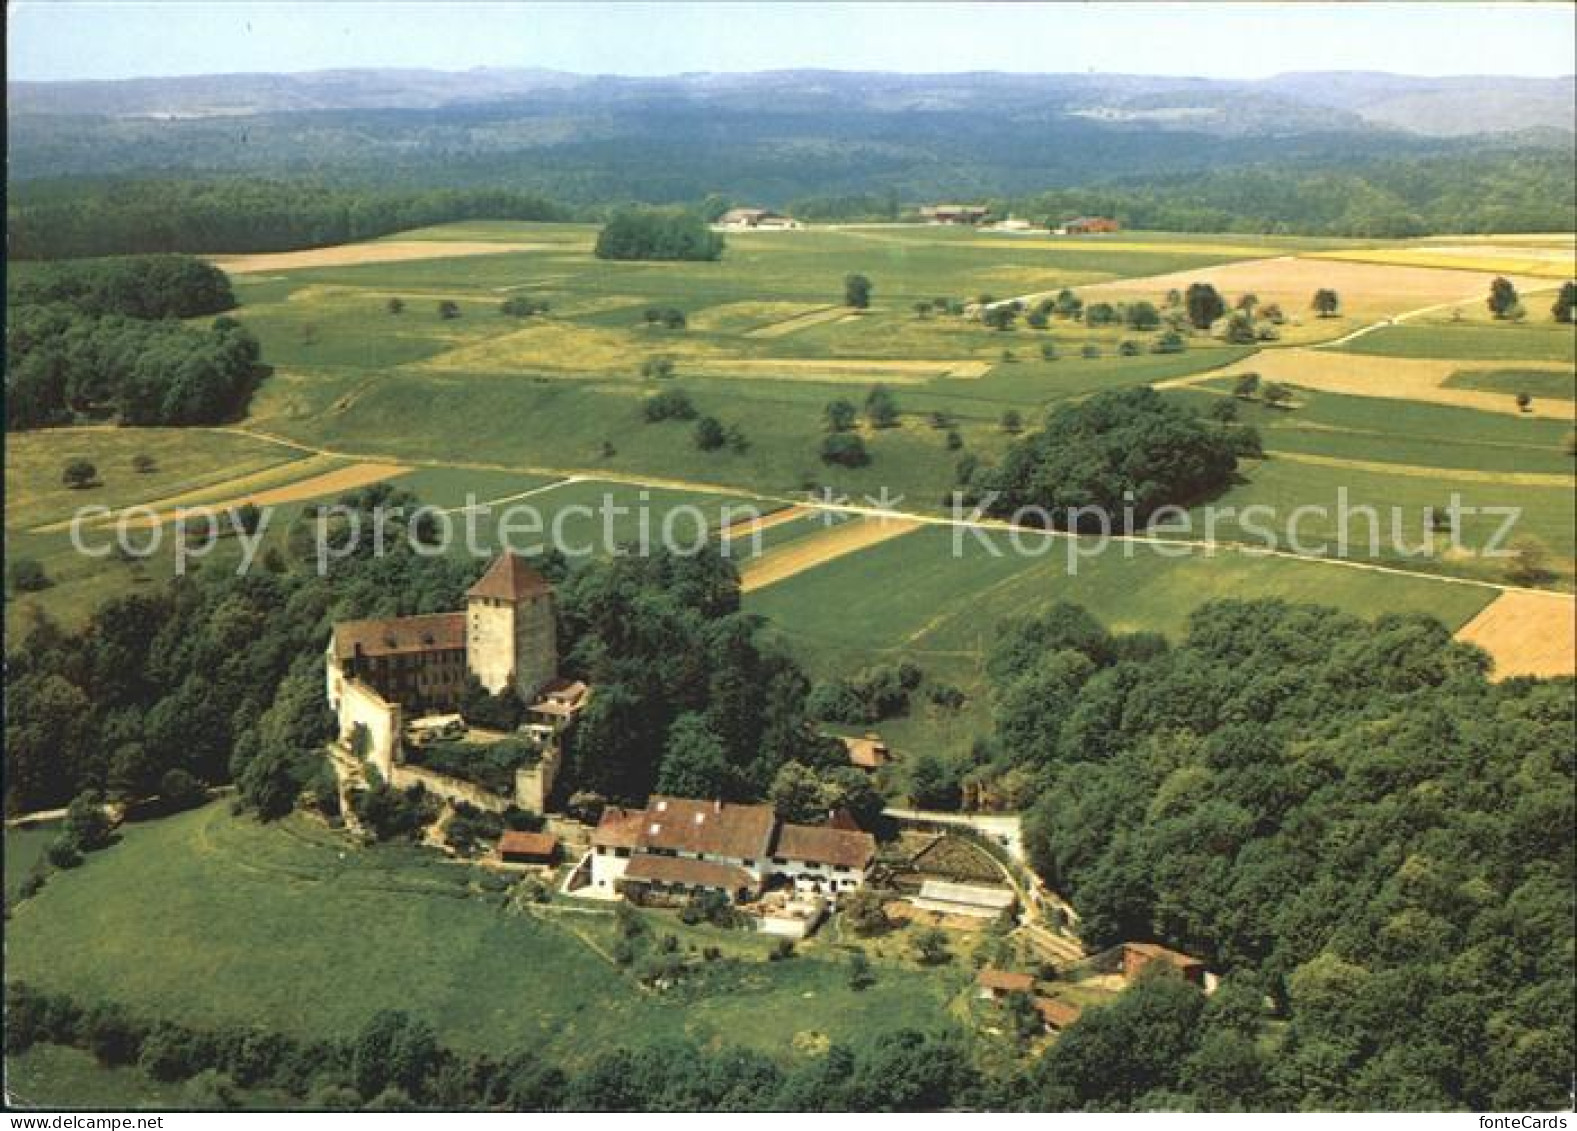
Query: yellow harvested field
{"x": 812, "y": 317}
{"x": 1527, "y": 634}
{"x": 1086, "y": 244}
{"x": 334, "y": 482}
{"x": 355, "y": 254}
{"x": 1292, "y": 281}
{"x": 1414, "y": 379}
{"x": 560, "y": 347}
{"x": 1438, "y": 474}
{"x": 747, "y": 527}
{"x": 807, "y": 553}
{"x": 748, "y": 315}
{"x": 1547, "y": 263}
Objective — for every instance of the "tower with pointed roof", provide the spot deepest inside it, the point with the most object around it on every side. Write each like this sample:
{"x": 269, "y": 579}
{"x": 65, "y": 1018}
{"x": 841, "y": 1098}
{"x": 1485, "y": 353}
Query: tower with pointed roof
{"x": 511, "y": 629}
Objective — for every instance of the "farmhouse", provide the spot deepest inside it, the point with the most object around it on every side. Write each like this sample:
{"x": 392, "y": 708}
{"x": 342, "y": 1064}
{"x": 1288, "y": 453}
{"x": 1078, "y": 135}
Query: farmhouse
{"x": 377, "y": 670}
{"x": 736, "y": 219}
{"x": 954, "y": 213}
{"x": 1057, "y": 1015}
{"x": 679, "y": 846}
{"x": 1089, "y": 226}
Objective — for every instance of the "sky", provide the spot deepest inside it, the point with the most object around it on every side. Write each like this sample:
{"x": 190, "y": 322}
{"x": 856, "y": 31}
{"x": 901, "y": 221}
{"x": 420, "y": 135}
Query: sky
{"x": 111, "y": 39}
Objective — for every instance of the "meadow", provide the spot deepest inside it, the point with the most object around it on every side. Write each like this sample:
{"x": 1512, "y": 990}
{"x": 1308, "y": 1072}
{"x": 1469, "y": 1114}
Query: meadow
{"x": 218, "y": 920}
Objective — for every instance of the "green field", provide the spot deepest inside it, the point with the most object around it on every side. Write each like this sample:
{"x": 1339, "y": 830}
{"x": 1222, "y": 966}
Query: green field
{"x": 1469, "y": 342}
{"x": 216, "y": 920}
{"x": 956, "y": 592}
{"x": 1542, "y": 383}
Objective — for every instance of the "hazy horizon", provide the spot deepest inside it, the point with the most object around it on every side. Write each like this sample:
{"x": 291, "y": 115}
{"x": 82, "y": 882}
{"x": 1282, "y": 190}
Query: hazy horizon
{"x": 78, "y": 41}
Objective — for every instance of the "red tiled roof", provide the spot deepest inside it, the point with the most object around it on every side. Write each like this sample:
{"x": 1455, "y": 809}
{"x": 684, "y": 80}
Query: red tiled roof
{"x": 510, "y": 578}
{"x": 1057, "y": 1014}
{"x": 821, "y": 845}
{"x": 390, "y": 636}
{"x": 514, "y": 843}
{"x": 993, "y": 979}
{"x": 694, "y": 873}
{"x": 743, "y": 832}
{"x": 1166, "y": 954}
{"x": 618, "y": 828}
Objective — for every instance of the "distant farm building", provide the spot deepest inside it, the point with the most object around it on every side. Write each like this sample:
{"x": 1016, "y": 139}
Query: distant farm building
{"x": 528, "y": 848}
{"x": 954, "y": 213}
{"x": 1012, "y": 224}
{"x": 1089, "y": 226}
{"x": 981, "y": 901}
{"x": 739, "y": 219}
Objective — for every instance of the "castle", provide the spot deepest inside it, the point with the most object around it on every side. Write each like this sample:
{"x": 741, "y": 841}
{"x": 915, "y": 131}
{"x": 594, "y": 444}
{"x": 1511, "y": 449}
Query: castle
{"x": 507, "y": 637}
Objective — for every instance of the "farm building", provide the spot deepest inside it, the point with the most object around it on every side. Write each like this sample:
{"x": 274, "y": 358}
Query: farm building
{"x": 678, "y": 846}
{"x": 527, "y": 848}
{"x": 994, "y": 984}
{"x": 979, "y": 900}
{"x": 736, "y": 219}
{"x": 954, "y": 213}
{"x": 868, "y": 752}
{"x": 1139, "y": 955}
{"x": 1057, "y": 1015}
{"x": 1089, "y": 226}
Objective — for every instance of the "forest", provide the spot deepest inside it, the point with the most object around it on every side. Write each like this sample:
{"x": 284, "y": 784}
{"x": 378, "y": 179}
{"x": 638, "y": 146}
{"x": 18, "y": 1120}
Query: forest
{"x": 99, "y": 338}
{"x": 1109, "y": 463}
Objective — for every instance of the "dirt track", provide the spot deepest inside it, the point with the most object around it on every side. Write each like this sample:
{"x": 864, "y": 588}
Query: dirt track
{"x": 807, "y": 553}
{"x": 1527, "y": 634}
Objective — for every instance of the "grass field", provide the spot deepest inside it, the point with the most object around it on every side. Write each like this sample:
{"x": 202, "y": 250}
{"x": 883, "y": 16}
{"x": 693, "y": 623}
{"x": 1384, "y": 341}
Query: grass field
{"x": 1552, "y": 384}
{"x": 945, "y": 615}
{"x": 217, "y": 920}
{"x": 1485, "y": 341}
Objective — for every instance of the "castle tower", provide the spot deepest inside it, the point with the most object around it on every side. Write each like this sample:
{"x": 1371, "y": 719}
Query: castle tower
{"x": 511, "y": 631}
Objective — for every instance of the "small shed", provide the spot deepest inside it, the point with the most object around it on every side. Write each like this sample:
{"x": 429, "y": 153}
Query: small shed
{"x": 996, "y": 984}
{"x": 528, "y": 848}
{"x": 1057, "y": 1015}
{"x": 1137, "y": 956}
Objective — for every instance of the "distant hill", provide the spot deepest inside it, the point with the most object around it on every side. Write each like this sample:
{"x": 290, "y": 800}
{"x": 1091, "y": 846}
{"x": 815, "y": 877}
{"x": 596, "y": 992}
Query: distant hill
{"x": 1440, "y": 107}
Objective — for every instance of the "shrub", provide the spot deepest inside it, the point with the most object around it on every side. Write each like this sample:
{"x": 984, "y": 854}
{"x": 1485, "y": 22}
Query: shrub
{"x": 79, "y": 473}
{"x": 671, "y": 404}
{"x": 28, "y": 576}
{"x": 709, "y": 434}
{"x": 845, "y": 449}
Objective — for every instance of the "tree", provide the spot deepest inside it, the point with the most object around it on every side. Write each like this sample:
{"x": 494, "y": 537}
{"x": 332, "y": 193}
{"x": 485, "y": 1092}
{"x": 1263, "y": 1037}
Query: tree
{"x": 933, "y": 784}
{"x": 1068, "y": 305}
{"x": 658, "y": 234}
{"x": 144, "y": 464}
{"x": 1048, "y": 351}
{"x": 881, "y": 407}
{"x": 28, "y": 576}
{"x": 922, "y": 308}
{"x": 797, "y": 794}
{"x": 247, "y": 518}
{"x": 395, "y": 306}
{"x": 839, "y": 415}
{"x": 1275, "y": 394}
{"x": 1524, "y": 401}
{"x": 861, "y": 976}
{"x": 1226, "y": 411}
{"x": 1503, "y": 300}
{"x": 1246, "y": 385}
{"x": 79, "y": 473}
{"x": 670, "y": 404}
{"x": 1012, "y": 422}
{"x": 1090, "y": 351}
{"x": 1169, "y": 341}
{"x": 846, "y": 449}
{"x": 448, "y": 309}
{"x": 1142, "y": 315}
{"x": 1204, "y": 305}
{"x": 999, "y": 317}
{"x": 738, "y": 442}
{"x": 709, "y": 434}
{"x": 1239, "y": 329}
{"x": 930, "y": 946}
{"x": 1528, "y": 563}
{"x": 1565, "y": 308}
{"x": 694, "y": 762}
{"x": 1326, "y": 303}
{"x": 856, "y": 291}
{"x": 520, "y": 306}
{"x": 86, "y": 825}
{"x": 660, "y": 367}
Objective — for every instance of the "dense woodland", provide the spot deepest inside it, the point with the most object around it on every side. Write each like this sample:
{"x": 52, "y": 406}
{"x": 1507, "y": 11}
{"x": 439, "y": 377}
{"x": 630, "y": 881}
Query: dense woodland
{"x": 1111, "y": 462}
{"x": 99, "y": 338}
{"x": 649, "y": 233}
{"x": 58, "y": 219}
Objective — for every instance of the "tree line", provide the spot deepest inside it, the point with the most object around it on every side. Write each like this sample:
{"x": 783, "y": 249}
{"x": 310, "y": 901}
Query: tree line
{"x": 57, "y": 220}
{"x": 99, "y": 338}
